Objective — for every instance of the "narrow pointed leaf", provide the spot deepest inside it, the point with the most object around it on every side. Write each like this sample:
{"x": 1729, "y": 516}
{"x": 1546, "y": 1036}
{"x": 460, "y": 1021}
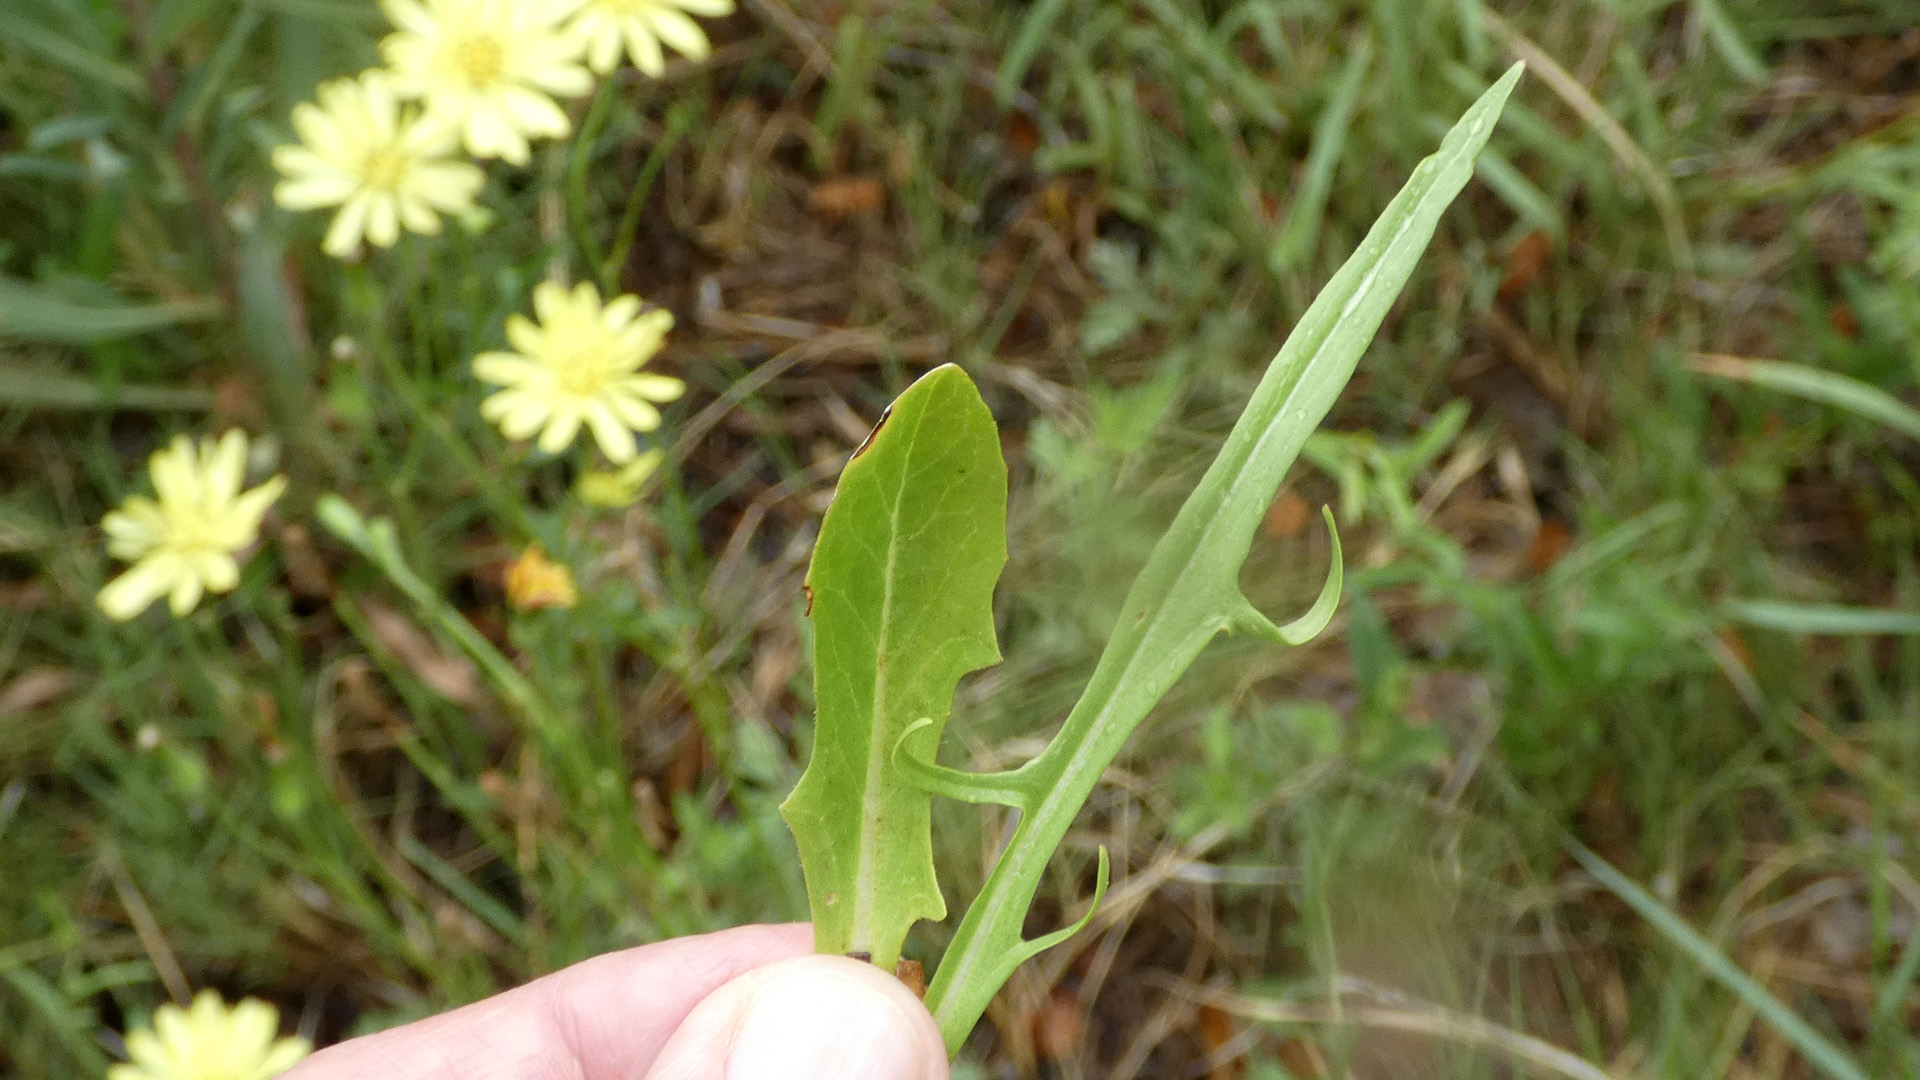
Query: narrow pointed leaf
{"x": 1189, "y": 589}
{"x": 901, "y": 594}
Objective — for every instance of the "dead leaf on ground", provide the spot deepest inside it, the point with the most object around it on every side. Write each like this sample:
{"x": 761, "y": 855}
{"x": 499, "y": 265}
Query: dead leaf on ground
{"x": 1550, "y": 541}
{"x": 1059, "y": 1026}
{"x": 307, "y": 573}
{"x": 1023, "y": 136}
{"x": 1287, "y": 517}
{"x": 1216, "y": 1031}
{"x": 846, "y": 196}
{"x": 33, "y": 688}
{"x": 25, "y": 596}
{"x": 1526, "y": 261}
{"x": 1303, "y": 1059}
{"x": 452, "y": 677}
{"x": 234, "y": 399}
{"x": 1737, "y": 646}
{"x": 1844, "y": 322}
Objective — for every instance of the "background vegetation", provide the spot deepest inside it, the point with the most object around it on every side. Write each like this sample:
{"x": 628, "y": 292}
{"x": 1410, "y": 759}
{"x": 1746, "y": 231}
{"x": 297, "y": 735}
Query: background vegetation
{"x": 1109, "y": 211}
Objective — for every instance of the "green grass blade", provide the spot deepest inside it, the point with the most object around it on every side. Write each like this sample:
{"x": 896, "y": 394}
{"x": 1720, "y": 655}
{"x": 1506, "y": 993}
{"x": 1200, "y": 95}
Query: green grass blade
{"x": 28, "y": 389}
{"x": 1824, "y": 618}
{"x": 55, "y": 48}
{"x": 30, "y": 312}
{"x": 1026, "y": 46}
{"x": 1826, "y": 387}
{"x": 66, "y": 1021}
{"x": 1823, "y": 1055}
{"x": 1309, "y": 207}
{"x": 1731, "y": 44}
{"x": 489, "y": 910}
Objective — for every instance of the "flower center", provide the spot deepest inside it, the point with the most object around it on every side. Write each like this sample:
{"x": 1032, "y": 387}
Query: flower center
{"x": 623, "y": 7}
{"x": 192, "y": 531}
{"x": 383, "y": 168}
{"x": 586, "y": 371}
{"x": 479, "y": 59}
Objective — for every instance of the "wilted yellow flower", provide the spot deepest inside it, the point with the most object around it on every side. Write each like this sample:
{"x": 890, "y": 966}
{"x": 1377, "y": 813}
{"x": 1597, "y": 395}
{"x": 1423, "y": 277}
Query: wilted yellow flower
{"x": 379, "y": 162}
{"x": 621, "y": 486}
{"x": 535, "y": 581}
{"x": 211, "y": 1042}
{"x": 488, "y": 68}
{"x": 643, "y": 26}
{"x": 184, "y": 544}
{"x": 581, "y": 364}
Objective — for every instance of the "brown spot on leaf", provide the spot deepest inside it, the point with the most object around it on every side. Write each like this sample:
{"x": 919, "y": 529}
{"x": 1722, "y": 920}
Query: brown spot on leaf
{"x": 875, "y": 433}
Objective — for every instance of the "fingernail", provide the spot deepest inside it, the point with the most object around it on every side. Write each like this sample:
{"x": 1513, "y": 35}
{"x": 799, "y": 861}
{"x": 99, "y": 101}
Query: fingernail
{"x": 824, "y": 1026}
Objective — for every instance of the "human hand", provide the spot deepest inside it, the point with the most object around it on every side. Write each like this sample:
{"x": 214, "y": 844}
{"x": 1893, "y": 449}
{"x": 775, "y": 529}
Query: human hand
{"x": 742, "y": 1004}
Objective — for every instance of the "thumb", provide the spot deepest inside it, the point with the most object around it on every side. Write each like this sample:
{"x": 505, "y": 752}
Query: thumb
{"x": 809, "y": 1018}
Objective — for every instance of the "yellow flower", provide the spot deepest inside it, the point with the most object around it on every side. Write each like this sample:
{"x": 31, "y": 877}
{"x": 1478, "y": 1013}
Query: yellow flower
{"x": 535, "y": 581}
{"x": 488, "y": 68}
{"x": 618, "y": 487}
{"x": 581, "y": 364}
{"x": 643, "y": 25}
{"x": 184, "y": 544}
{"x": 381, "y": 164}
{"x": 210, "y": 1042}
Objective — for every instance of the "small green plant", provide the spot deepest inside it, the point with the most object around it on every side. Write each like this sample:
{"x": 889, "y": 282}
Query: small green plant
{"x": 900, "y": 593}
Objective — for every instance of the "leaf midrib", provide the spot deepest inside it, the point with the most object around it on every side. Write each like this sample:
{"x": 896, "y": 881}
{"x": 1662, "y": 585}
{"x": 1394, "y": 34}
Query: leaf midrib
{"x": 870, "y": 800}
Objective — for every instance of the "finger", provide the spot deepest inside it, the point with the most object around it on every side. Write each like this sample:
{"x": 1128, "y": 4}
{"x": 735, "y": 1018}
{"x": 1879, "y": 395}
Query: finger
{"x": 601, "y": 1019}
{"x": 813, "y": 1018}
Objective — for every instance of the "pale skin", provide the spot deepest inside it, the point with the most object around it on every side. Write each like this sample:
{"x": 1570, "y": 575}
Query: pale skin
{"x": 744, "y": 1004}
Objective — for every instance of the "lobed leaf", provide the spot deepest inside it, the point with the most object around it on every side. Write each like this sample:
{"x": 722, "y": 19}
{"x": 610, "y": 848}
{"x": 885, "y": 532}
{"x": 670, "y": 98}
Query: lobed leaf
{"x": 900, "y": 592}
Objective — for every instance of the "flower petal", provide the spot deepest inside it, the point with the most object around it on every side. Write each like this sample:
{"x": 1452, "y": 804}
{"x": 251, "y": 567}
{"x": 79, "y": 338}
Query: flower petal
{"x": 383, "y": 221}
{"x": 561, "y": 428}
{"x": 130, "y": 593}
{"x": 675, "y": 29}
{"x": 644, "y": 48}
{"x": 187, "y": 590}
{"x": 314, "y": 192}
{"x": 614, "y": 437}
{"x": 349, "y": 226}
{"x": 654, "y": 387}
{"x": 509, "y": 369}
{"x": 226, "y": 466}
{"x": 633, "y": 412}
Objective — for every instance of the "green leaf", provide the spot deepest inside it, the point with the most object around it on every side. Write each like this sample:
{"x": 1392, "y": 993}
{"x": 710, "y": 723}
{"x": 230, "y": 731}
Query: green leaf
{"x": 1814, "y": 384}
{"x": 38, "y": 389}
{"x": 1824, "y": 618}
{"x": 1815, "y": 1047}
{"x": 33, "y": 312}
{"x": 1189, "y": 589}
{"x": 1296, "y": 238}
{"x": 58, "y": 48}
{"x": 901, "y": 596}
